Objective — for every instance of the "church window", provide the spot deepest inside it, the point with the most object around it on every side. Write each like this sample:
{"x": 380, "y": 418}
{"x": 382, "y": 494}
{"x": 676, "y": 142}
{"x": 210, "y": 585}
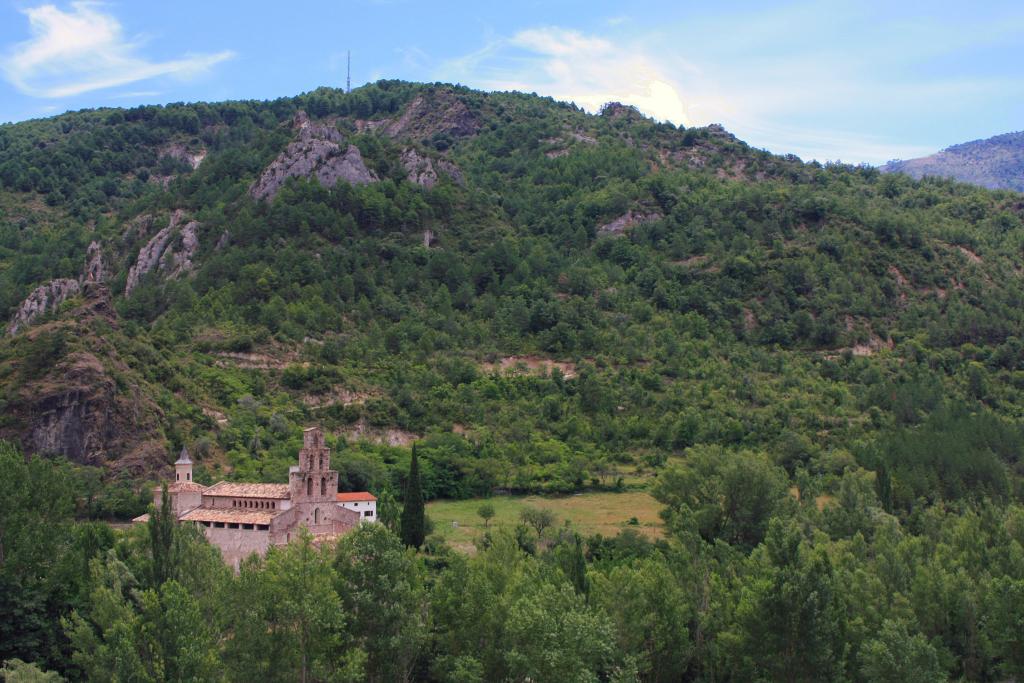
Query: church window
{"x": 316, "y": 516}
{"x": 321, "y": 462}
{"x": 323, "y": 487}
{"x": 309, "y": 486}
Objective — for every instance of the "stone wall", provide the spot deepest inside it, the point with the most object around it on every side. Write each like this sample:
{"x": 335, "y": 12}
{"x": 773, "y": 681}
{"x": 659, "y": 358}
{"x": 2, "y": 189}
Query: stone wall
{"x": 237, "y": 544}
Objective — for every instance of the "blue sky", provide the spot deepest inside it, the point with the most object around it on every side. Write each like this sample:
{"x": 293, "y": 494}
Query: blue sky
{"x": 857, "y": 81}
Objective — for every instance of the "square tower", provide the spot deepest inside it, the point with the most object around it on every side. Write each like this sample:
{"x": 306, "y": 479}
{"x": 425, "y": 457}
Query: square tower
{"x": 313, "y": 481}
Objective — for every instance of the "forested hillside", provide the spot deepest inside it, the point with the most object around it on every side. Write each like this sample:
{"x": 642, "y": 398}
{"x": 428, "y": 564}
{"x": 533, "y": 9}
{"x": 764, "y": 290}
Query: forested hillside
{"x": 819, "y": 370}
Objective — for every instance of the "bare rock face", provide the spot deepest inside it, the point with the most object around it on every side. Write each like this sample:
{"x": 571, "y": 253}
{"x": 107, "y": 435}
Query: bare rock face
{"x": 149, "y": 255}
{"x": 73, "y": 419}
{"x": 348, "y": 167}
{"x": 160, "y": 252}
{"x": 180, "y": 152}
{"x": 318, "y": 152}
{"x": 41, "y": 301}
{"x": 48, "y": 297}
{"x": 94, "y": 268}
{"x": 422, "y": 170}
{"x": 78, "y": 412}
{"x": 433, "y": 113}
{"x": 175, "y": 263}
{"x": 621, "y": 224}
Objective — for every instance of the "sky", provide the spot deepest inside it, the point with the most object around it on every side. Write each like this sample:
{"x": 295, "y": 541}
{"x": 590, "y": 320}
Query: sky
{"x": 859, "y": 82}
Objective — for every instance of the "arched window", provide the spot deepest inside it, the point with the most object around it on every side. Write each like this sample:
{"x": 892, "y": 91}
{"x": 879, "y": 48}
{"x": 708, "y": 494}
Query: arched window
{"x": 316, "y": 516}
{"x": 323, "y": 487}
{"x": 321, "y": 461}
{"x": 309, "y": 486}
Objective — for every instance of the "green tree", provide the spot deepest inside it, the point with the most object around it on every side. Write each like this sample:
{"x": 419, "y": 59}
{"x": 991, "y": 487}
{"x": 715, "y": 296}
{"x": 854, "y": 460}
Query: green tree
{"x": 538, "y": 518}
{"x": 570, "y": 557}
{"x": 108, "y": 635}
{"x": 1004, "y": 627}
{"x": 36, "y": 538}
{"x": 896, "y": 656}
{"x": 17, "y": 671}
{"x": 791, "y": 614}
{"x": 728, "y": 495}
{"x": 413, "y": 523}
{"x": 161, "y": 539}
{"x": 486, "y": 513}
{"x": 650, "y": 611}
{"x": 286, "y": 620}
{"x": 381, "y": 588}
{"x": 388, "y": 511}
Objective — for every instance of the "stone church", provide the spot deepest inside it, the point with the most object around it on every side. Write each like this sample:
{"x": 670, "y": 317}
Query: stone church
{"x": 242, "y": 519}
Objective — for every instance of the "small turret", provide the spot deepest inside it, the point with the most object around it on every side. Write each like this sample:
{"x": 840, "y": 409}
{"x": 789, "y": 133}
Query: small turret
{"x": 183, "y": 467}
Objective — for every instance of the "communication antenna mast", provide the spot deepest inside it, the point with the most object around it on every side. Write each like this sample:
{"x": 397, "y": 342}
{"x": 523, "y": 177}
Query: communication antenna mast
{"x": 348, "y": 73}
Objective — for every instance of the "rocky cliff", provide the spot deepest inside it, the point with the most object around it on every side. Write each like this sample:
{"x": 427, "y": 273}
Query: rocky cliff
{"x": 48, "y": 298}
{"x": 319, "y": 152}
{"x": 87, "y": 404}
{"x": 423, "y": 171}
{"x": 170, "y": 251}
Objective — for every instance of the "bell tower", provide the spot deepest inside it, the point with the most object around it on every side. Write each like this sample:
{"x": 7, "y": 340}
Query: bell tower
{"x": 183, "y": 467}
{"x": 313, "y": 480}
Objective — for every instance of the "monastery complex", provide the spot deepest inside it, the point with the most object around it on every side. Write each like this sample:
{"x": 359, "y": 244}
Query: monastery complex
{"x": 242, "y": 519}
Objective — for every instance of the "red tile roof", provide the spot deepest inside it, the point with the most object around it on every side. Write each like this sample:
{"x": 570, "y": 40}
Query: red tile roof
{"x": 230, "y": 515}
{"x": 232, "y": 490}
{"x": 357, "y": 497}
{"x": 183, "y": 487}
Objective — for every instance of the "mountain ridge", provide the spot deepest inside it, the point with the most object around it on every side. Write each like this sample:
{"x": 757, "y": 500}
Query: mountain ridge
{"x": 534, "y": 291}
{"x": 995, "y": 163}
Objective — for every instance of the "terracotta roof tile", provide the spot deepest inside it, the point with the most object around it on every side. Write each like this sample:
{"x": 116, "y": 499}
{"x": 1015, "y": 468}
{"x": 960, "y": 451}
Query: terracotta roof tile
{"x": 230, "y": 515}
{"x": 356, "y": 497}
{"x": 233, "y": 490}
{"x": 183, "y": 487}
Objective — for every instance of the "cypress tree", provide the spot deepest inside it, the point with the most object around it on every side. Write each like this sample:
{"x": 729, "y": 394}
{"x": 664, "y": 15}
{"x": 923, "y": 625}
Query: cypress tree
{"x": 161, "y": 539}
{"x": 575, "y": 565}
{"x": 883, "y": 486}
{"x": 412, "y": 510}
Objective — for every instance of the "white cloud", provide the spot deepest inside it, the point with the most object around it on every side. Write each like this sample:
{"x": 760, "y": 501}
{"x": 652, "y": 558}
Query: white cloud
{"x": 84, "y": 49}
{"x": 785, "y": 101}
{"x": 571, "y": 66}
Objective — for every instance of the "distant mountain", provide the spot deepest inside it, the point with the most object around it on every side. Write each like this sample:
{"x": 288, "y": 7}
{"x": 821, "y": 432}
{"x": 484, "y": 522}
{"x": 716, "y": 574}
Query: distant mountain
{"x": 996, "y": 163}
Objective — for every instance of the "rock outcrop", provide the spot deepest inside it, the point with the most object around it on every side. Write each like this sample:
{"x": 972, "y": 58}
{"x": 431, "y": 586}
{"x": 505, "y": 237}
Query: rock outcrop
{"x": 79, "y": 412}
{"x": 94, "y": 267}
{"x": 431, "y": 114}
{"x": 175, "y": 263}
{"x": 617, "y": 110}
{"x": 181, "y": 152}
{"x": 42, "y": 300}
{"x": 318, "y": 152}
{"x": 87, "y": 404}
{"x": 626, "y": 221}
{"x": 159, "y": 252}
{"x": 423, "y": 171}
{"x": 72, "y": 418}
{"x": 47, "y": 298}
